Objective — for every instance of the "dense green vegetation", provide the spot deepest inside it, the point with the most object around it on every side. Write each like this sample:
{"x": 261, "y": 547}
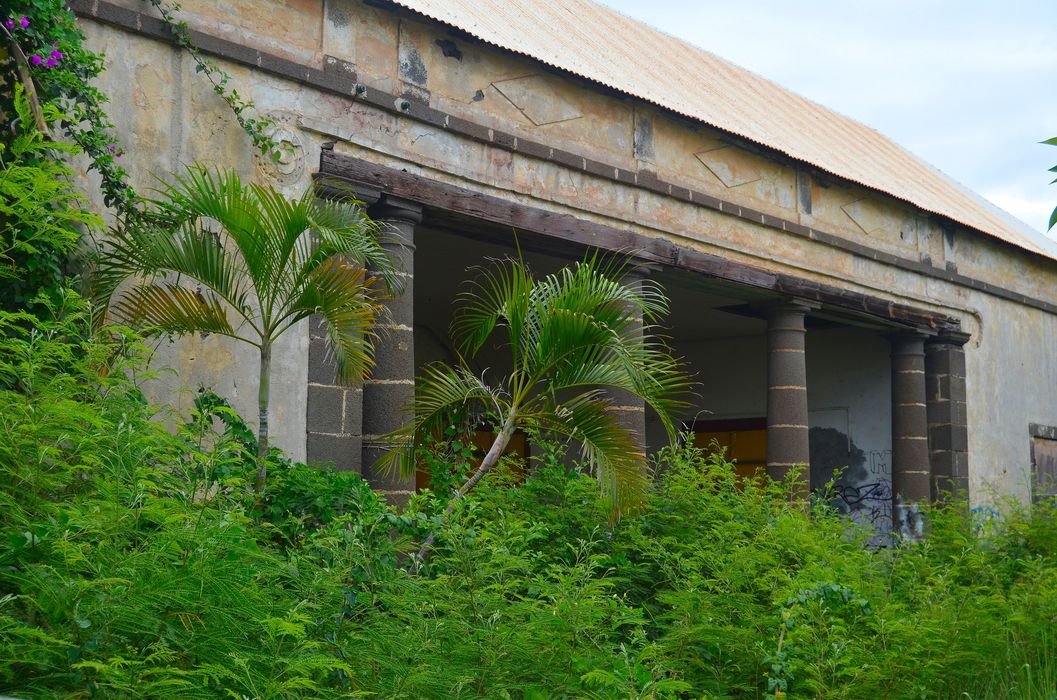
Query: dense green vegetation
{"x": 133, "y": 564}
{"x": 41, "y": 215}
{"x": 138, "y": 561}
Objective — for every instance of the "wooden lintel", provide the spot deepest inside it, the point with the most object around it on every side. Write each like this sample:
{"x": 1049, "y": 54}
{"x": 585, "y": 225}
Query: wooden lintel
{"x": 338, "y": 171}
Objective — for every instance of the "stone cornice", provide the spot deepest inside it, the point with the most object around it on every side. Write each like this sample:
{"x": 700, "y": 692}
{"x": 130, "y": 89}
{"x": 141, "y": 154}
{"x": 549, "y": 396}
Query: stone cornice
{"x": 338, "y": 78}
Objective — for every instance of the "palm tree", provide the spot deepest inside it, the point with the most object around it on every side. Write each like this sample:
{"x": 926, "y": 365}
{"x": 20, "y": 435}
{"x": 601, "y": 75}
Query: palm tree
{"x": 572, "y": 338}
{"x": 254, "y": 255}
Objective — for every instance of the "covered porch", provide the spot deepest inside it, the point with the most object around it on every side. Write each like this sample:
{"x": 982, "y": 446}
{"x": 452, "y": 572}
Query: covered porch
{"x": 791, "y": 373}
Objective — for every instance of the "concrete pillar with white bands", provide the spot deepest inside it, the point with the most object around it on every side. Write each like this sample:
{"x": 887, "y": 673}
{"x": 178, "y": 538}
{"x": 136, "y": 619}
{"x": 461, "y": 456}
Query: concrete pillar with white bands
{"x": 947, "y": 417}
{"x": 389, "y": 391}
{"x": 787, "y": 409}
{"x": 911, "y": 472}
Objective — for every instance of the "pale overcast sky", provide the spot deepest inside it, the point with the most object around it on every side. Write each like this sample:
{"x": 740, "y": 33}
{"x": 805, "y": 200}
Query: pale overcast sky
{"x": 969, "y": 86}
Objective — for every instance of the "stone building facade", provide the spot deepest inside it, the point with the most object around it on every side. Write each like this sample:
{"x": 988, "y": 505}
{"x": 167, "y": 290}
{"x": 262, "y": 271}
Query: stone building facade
{"x": 841, "y": 304}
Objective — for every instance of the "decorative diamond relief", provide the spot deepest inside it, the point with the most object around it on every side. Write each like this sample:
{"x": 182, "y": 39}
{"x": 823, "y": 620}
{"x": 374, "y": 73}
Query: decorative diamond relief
{"x": 537, "y": 100}
{"x": 730, "y": 166}
{"x": 865, "y": 214}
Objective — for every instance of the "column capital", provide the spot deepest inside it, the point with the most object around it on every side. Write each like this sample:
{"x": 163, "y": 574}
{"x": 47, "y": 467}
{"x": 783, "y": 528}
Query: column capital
{"x": 908, "y": 342}
{"x": 950, "y": 336}
{"x": 396, "y": 209}
{"x": 788, "y": 305}
{"x": 910, "y": 334}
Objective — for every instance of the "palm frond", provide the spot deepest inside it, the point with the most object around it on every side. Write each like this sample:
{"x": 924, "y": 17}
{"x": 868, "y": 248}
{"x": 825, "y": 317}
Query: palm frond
{"x": 348, "y": 301}
{"x": 660, "y": 379}
{"x": 585, "y": 306}
{"x": 152, "y": 251}
{"x": 346, "y": 235}
{"x": 342, "y": 227}
{"x": 171, "y": 308}
{"x": 284, "y": 224}
{"x": 201, "y": 195}
{"x": 563, "y": 336}
{"x": 262, "y": 260}
{"x": 590, "y": 367}
{"x": 597, "y": 283}
{"x": 618, "y": 463}
{"x": 442, "y": 394}
{"x": 497, "y": 295}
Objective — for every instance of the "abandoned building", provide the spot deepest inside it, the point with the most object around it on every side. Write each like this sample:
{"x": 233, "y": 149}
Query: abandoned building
{"x": 842, "y": 303}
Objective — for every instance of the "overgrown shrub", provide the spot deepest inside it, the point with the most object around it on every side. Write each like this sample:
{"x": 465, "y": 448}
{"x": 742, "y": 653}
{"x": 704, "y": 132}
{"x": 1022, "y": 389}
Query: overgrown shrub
{"x": 135, "y": 562}
{"x": 42, "y": 217}
{"x": 129, "y": 564}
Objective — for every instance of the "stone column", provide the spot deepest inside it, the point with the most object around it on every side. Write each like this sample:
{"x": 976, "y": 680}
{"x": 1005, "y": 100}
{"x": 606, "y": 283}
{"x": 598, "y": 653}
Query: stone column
{"x": 910, "y": 443}
{"x": 389, "y": 391}
{"x": 946, "y": 410}
{"x": 334, "y": 411}
{"x": 787, "y": 429}
{"x": 631, "y": 408}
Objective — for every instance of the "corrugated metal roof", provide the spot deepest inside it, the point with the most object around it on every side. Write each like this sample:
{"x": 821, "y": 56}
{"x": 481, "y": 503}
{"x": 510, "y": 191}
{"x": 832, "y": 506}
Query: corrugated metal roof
{"x": 604, "y": 46}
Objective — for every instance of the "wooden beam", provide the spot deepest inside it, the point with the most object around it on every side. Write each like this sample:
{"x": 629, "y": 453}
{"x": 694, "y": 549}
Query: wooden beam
{"x": 339, "y": 173}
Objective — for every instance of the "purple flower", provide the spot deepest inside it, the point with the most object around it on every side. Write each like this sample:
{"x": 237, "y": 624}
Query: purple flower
{"x": 9, "y": 23}
{"x": 51, "y": 63}
{"x": 36, "y": 60}
{"x": 111, "y": 148}
{"x": 24, "y": 22}
{"x": 57, "y": 55}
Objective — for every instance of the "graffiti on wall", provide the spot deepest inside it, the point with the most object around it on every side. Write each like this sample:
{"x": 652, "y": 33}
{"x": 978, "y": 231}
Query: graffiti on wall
{"x": 862, "y": 489}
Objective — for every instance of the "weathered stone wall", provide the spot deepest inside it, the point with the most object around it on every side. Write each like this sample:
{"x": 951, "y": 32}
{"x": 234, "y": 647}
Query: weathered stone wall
{"x": 169, "y": 117}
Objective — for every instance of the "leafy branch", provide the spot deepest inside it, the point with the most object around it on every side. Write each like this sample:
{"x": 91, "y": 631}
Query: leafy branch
{"x": 1053, "y": 215}
{"x": 53, "y": 66}
{"x": 46, "y": 54}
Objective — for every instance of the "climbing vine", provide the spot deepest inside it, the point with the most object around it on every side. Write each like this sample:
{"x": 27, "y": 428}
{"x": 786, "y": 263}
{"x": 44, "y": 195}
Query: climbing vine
{"x": 44, "y": 50}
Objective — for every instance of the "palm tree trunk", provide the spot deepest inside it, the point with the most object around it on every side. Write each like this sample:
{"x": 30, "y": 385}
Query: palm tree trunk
{"x": 491, "y": 459}
{"x": 263, "y": 392}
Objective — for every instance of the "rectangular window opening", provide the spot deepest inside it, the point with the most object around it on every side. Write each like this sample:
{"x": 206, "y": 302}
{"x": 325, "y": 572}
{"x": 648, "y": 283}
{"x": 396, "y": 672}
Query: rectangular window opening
{"x": 1043, "y": 462}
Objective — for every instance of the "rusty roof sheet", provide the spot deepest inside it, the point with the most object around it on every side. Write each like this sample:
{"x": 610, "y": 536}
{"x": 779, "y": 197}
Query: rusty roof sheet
{"x": 606, "y": 47}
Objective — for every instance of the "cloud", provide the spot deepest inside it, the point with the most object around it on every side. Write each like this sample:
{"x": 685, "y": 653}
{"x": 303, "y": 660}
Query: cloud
{"x": 1032, "y": 210}
{"x": 966, "y": 86}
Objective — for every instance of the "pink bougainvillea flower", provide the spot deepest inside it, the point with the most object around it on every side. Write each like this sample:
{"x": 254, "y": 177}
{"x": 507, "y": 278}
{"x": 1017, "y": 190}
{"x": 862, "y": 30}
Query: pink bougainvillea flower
{"x": 57, "y": 55}
{"x": 36, "y": 60}
{"x": 51, "y": 63}
{"x": 9, "y": 23}
{"x": 23, "y": 22}
{"x": 111, "y": 148}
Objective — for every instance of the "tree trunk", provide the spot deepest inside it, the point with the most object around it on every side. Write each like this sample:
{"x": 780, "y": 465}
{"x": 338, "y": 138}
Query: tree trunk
{"x": 22, "y": 65}
{"x": 491, "y": 459}
{"x": 262, "y": 410}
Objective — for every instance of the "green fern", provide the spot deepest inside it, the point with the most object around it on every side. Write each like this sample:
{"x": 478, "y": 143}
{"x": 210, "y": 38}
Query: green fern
{"x": 42, "y": 217}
